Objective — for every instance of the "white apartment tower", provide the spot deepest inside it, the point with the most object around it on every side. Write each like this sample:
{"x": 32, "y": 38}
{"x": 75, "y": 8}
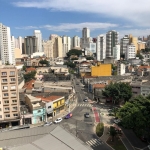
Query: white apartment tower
{"x": 131, "y": 51}
{"x": 111, "y": 41}
{"x": 18, "y": 43}
{"x": 101, "y": 47}
{"x": 116, "y": 52}
{"x": 6, "y": 45}
{"x": 123, "y": 44}
{"x": 66, "y": 44}
{"x": 76, "y": 42}
{"x": 85, "y": 35}
{"x": 38, "y": 34}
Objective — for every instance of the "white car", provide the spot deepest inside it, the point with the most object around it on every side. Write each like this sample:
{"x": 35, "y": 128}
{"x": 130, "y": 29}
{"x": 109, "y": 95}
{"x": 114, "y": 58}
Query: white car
{"x": 58, "y": 120}
{"x": 116, "y": 121}
{"x": 48, "y": 124}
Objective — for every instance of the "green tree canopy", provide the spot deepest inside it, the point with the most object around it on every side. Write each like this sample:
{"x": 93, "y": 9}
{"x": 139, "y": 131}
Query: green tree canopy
{"x": 29, "y": 76}
{"x": 117, "y": 92}
{"x": 74, "y": 52}
{"x": 139, "y": 55}
{"x": 42, "y": 62}
{"x": 70, "y": 64}
{"x": 89, "y": 58}
{"x": 135, "y": 114}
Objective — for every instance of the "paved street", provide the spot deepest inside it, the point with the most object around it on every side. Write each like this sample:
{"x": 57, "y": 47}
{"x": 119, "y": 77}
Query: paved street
{"x": 83, "y": 127}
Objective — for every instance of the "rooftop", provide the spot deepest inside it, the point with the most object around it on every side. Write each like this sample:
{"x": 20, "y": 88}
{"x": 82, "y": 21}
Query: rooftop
{"x": 49, "y": 98}
{"x": 30, "y": 69}
{"x": 29, "y": 84}
{"x": 99, "y": 85}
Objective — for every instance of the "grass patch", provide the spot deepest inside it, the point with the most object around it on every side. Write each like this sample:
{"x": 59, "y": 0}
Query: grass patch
{"x": 100, "y": 129}
{"x": 116, "y": 143}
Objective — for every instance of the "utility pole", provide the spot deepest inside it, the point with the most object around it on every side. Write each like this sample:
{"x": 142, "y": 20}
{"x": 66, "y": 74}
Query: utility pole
{"x": 76, "y": 129}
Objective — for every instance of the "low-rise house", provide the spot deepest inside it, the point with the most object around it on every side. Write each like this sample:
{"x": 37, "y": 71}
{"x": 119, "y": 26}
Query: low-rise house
{"x": 136, "y": 88}
{"x": 37, "y": 108}
{"x": 53, "y": 104}
{"x": 145, "y": 88}
{"x": 29, "y": 86}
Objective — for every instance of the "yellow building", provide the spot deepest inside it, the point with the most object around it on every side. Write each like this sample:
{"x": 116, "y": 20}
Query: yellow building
{"x": 141, "y": 45}
{"x": 101, "y": 70}
{"x": 134, "y": 40}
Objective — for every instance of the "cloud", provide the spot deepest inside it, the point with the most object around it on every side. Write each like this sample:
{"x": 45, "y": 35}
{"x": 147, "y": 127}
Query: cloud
{"x": 65, "y": 27}
{"x": 27, "y": 27}
{"x": 135, "y": 11}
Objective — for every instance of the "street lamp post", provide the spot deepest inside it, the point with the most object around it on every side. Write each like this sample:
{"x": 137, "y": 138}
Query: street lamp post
{"x": 76, "y": 128}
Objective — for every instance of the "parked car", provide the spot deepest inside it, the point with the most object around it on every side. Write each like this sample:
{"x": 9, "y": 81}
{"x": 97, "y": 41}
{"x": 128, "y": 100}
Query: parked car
{"x": 68, "y": 116}
{"x": 86, "y": 115}
{"x": 58, "y": 120}
{"x": 48, "y": 124}
{"x": 143, "y": 138}
{"x": 86, "y": 99}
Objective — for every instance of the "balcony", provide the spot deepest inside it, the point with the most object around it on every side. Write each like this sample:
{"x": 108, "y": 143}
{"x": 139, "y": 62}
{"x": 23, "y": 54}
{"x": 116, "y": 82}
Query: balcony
{"x": 4, "y": 75}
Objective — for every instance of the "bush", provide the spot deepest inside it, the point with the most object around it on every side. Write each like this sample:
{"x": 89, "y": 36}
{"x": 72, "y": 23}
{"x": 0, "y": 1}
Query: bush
{"x": 100, "y": 129}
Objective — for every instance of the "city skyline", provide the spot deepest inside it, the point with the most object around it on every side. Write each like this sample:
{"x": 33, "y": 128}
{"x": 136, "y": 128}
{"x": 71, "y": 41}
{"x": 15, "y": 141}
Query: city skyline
{"x": 53, "y": 17}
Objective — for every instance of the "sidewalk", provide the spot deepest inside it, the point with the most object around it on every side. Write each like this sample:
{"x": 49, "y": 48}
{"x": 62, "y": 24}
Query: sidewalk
{"x": 105, "y": 135}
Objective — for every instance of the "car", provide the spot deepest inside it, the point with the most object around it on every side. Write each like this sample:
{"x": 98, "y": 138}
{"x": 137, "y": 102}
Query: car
{"x": 86, "y": 115}
{"x": 77, "y": 83}
{"x": 48, "y": 124}
{"x": 116, "y": 121}
{"x": 58, "y": 120}
{"x": 86, "y": 99}
{"x": 68, "y": 116}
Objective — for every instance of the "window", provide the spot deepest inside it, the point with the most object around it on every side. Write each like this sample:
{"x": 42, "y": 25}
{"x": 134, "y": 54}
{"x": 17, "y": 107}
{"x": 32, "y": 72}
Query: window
{"x": 5, "y": 94}
{"x": 39, "y": 111}
{"x": 12, "y": 73}
{"x": 13, "y": 79}
{"x": 8, "y": 115}
{"x": 0, "y": 116}
{"x": 0, "y": 109}
{"x": 4, "y": 80}
{"x": 13, "y": 87}
{"x": 49, "y": 107}
{"x": 0, "y": 102}
{"x": 4, "y": 73}
{"x": 14, "y": 101}
{"x": 7, "y": 108}
{"x": 5, "y": 87}
{"x": 6, "y": 102}
{"x": 15, "y": 115}
{"x": 15, "y": 108}
{"x": 13, "y": 94}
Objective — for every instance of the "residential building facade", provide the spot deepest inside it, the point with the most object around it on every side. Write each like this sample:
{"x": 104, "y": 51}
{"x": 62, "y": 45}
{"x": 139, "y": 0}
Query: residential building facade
{"x": 123, "y": 44}
{"x": 30, "y": 45}
{"x": 131, "y": 52}
{"x": 66, "y": 44}
{"x": 101, "y": 47}
{"x": 9, "y": 99}
{"x": 6, "y": 45}
{"x": 116, "y": 52}
{"x": 111, "y": 41}
{"x": 76, "y": 42}
{"x": 38, "y": 34}
{"x": 121, "y": 68}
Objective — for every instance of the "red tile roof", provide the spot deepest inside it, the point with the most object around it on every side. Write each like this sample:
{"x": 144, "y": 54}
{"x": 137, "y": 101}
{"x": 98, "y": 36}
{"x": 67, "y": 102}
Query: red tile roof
{"x": 49, "y": 98}
{"x": 99, "y": 85}
{"x": 142, "y": 67}
{"x": 30, "y": 69}
{"x": 29, "y": 84}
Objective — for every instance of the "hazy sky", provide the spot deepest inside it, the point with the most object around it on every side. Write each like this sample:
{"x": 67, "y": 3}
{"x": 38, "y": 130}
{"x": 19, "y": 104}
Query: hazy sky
{"x": 68, "y": 17}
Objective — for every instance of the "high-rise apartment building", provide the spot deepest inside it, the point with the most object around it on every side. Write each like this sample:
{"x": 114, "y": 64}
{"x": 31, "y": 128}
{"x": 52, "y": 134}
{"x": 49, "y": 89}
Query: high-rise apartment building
{"x": 6, "y": 45}
{"x": 85, "y": 34}
{"x": 30, "y": 45}
{"x": 111, "y": 41}
{"x": 53, "y": 48}
{"x": 101, "y": 47}
{"x": 133, "y": 40}
{"x": 131, "y": 51}
{"x": 116, "y": 52}
{"x": 124, "y": 42}
{"x": 38, "y": 34}
{"x": 66, "y": 44}
{"x": 76, "y": 42}
{"x": 9, "y": 96}
{"x": 18, "y": 43}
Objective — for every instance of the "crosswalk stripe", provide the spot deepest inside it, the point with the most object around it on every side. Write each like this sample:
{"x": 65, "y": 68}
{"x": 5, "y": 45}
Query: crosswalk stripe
{"x": 94, "y": 142}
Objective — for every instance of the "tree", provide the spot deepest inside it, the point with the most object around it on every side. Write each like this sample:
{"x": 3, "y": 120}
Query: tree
{"x": 7, "y": 63}
{"x": 117, "y": 92}
{"x": 74, "y": 52}
{"x": 135, "y": 114}
{"x": 113, "y": 132}
{"x": 29, "y": 76}
{"x": 42, "y": 62}
{"x": 70, "y": 64}
{"x": 139, "y": 55}
{"x": 24, "y": 68}
{"x": 89, "y": 58}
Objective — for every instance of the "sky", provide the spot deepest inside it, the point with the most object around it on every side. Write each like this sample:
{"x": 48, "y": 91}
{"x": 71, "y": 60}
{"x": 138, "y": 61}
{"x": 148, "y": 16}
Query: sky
{"x": 68, "y": 17}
